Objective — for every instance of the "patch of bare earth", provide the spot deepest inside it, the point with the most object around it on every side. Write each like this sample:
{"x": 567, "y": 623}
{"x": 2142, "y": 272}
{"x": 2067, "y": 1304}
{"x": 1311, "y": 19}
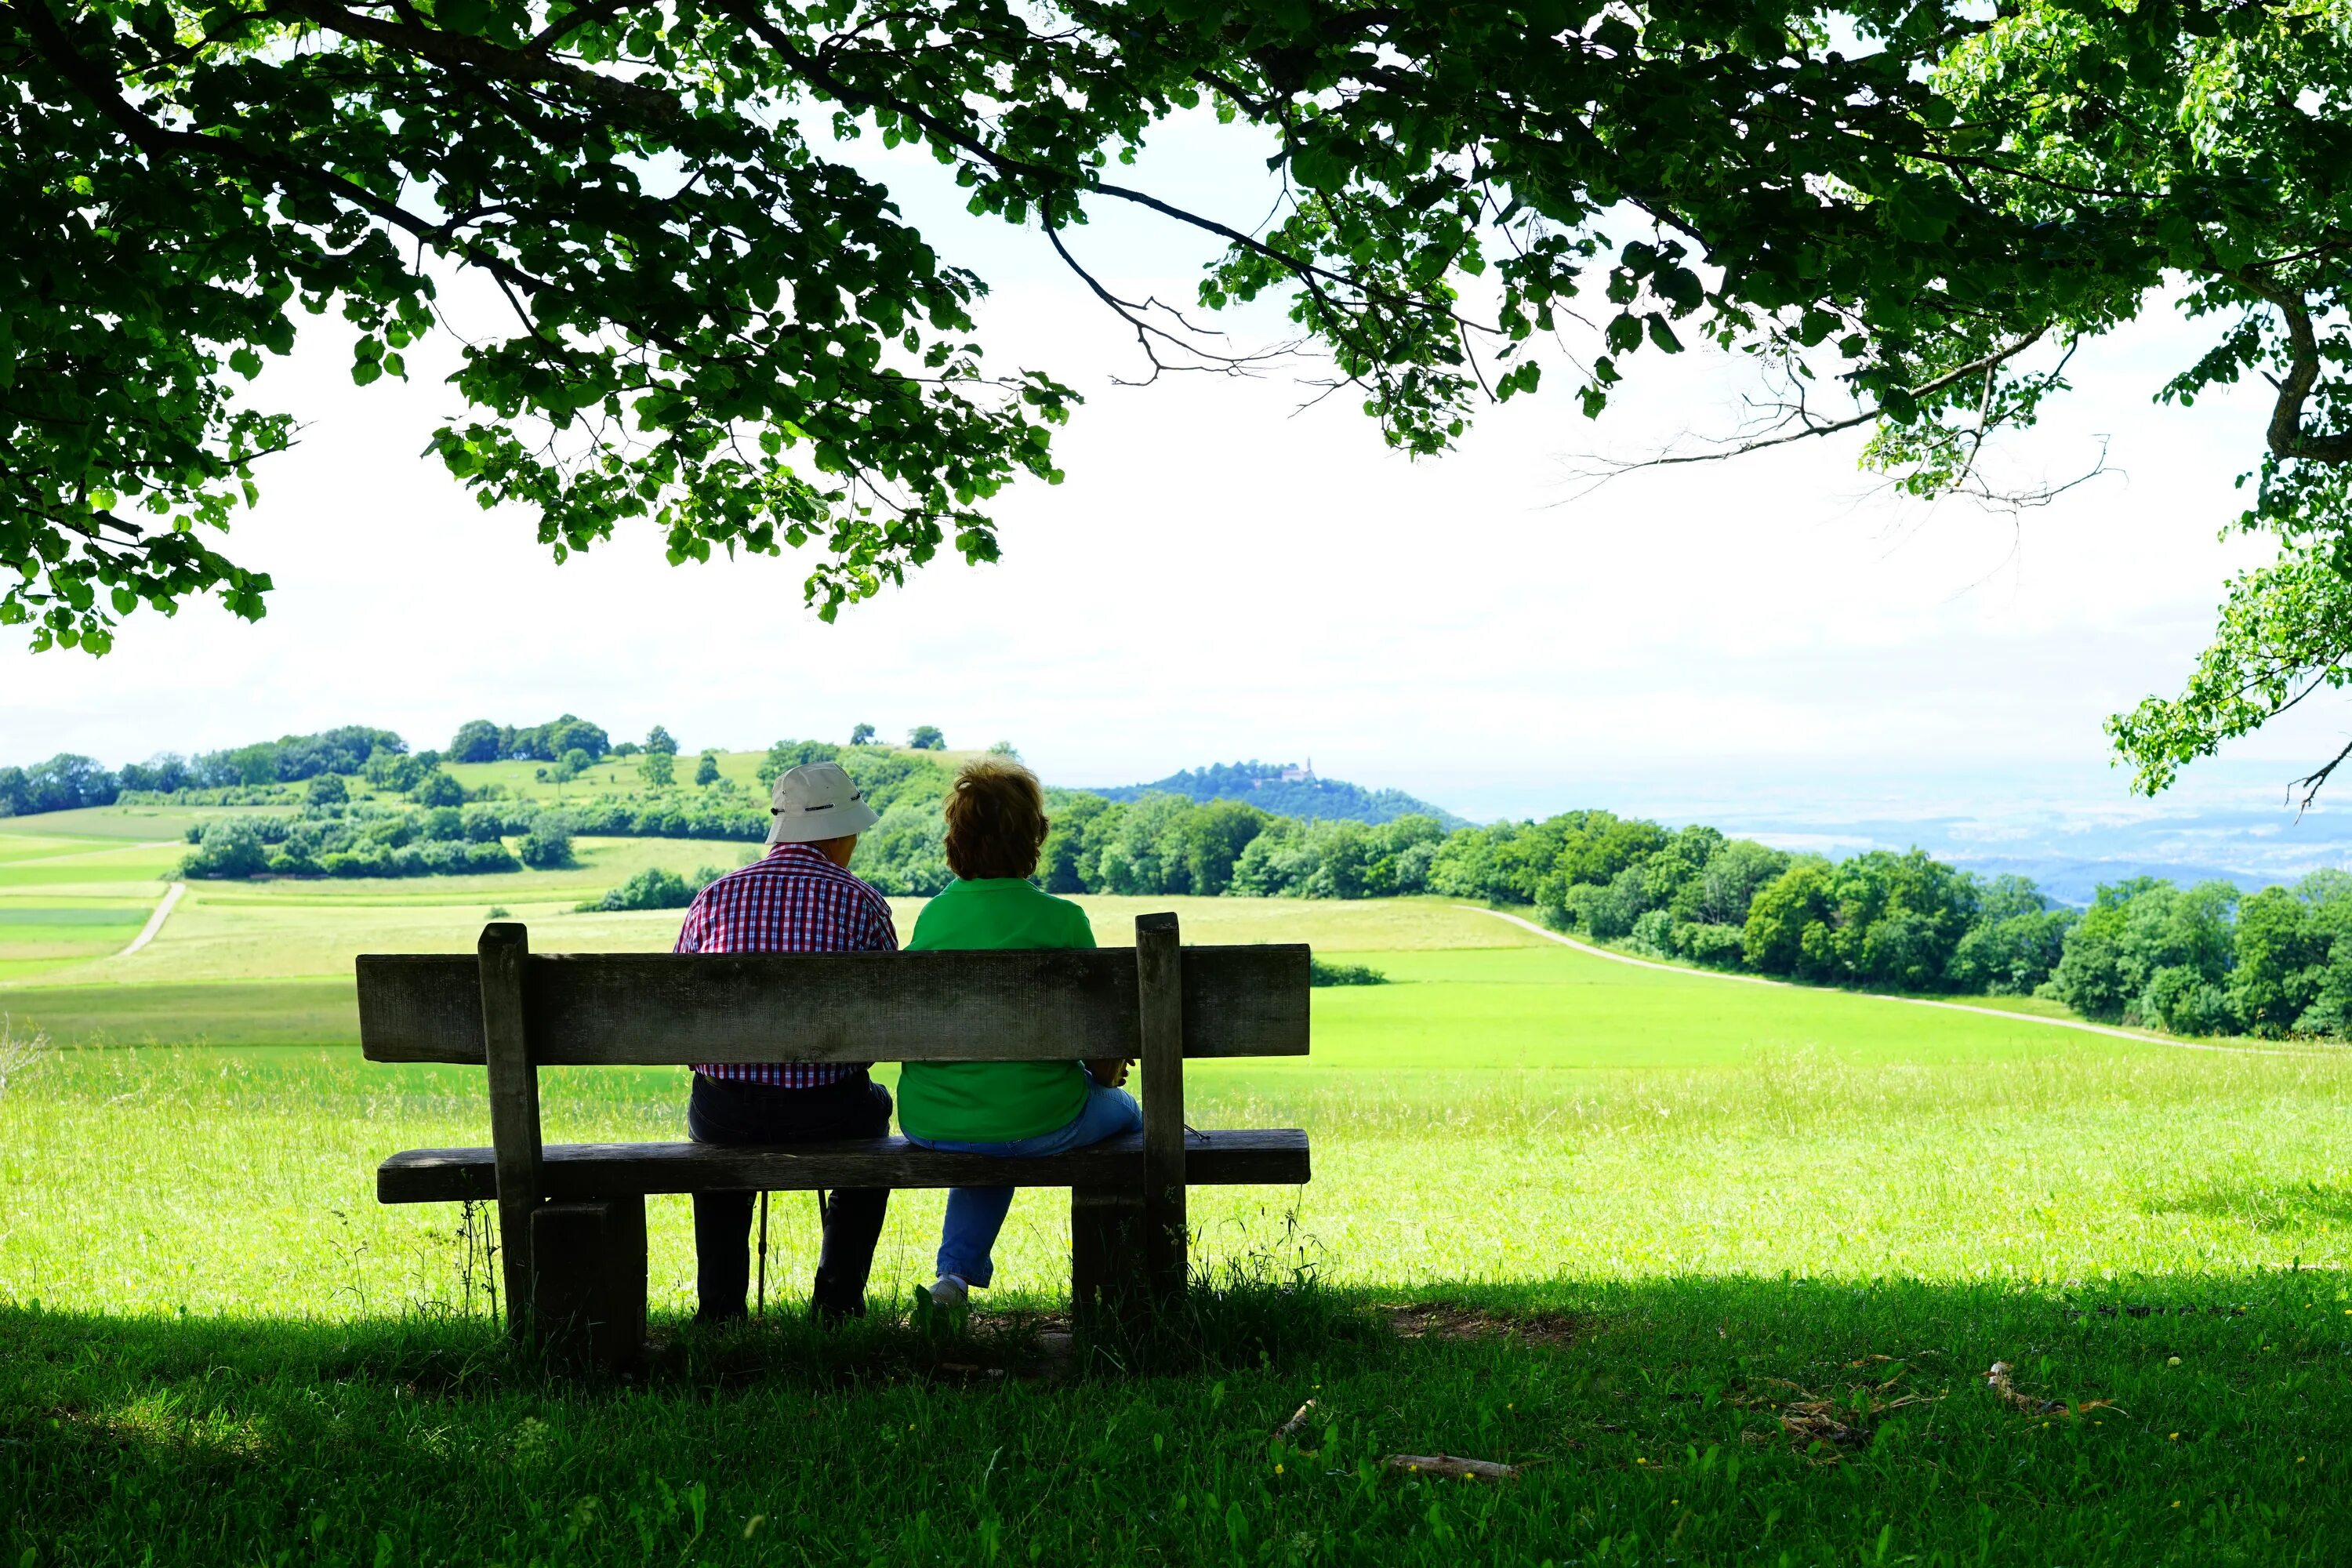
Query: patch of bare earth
{"x": 1451, "y": 1321}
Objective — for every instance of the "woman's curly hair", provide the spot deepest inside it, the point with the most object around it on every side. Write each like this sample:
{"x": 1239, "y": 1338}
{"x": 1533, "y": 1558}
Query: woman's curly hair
{"x": 996, "y": 820}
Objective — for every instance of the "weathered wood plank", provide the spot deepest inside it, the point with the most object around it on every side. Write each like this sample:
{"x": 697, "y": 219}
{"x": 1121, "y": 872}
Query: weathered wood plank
{"x": 1106, "y": 1250}
{"x": 1159, "y": 971}
{"x": 651, "y": 1009}
{"x": 1245, "y": 1157}
{"x": 588, "y": 1306}
{"x": 514, "y": 1107}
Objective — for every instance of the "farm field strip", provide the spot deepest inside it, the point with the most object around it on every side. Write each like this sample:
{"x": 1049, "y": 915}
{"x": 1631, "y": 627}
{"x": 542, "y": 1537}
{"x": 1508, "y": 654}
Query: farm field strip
{"x": 2084, "y": 1025}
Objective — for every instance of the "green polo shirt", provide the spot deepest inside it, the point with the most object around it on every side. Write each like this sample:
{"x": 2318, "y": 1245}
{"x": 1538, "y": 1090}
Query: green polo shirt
{"x": 992, "y": 1102}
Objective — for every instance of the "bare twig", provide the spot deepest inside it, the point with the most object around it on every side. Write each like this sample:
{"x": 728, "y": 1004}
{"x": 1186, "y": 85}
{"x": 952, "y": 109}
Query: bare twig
{"x": 1811, "y": 425}
{"x": 2310, "y": 783}
{"x": 1184, "y": 339}
{"x": 1445, "y": 1467}
{"x": 1998, "y": 1380}
{"x": 20, "y": 1054}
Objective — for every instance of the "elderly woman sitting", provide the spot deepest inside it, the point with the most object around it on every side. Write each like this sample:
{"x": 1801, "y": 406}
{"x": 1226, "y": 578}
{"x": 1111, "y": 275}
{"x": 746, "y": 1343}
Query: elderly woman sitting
{"x": 996, "y": 825}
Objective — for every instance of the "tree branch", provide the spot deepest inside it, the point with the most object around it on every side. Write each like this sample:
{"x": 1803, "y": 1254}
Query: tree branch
{"x": 1813, "y": 427}
{"x": 523, "y": 67}
{"x": 2286, "y": 434}
{"x": 1310, "y": 275}
{"x": 161, "y": 141}
{"x": 2310, "y": 783}
{"x": 1138, "y": 317}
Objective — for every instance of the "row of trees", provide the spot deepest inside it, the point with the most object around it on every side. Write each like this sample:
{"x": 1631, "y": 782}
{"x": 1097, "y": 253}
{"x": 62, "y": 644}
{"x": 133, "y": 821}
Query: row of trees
{"x": 2208, "y": 960}
{"x": 68, "y": 782}
{"x": 249, "y": 775}
{"x": 1904, "y": 921}
{"x": 392, "y": 844}
{"x": 64, "y": 783}
{"x": 480, "y": 740}
{"x": 333, "y": 837}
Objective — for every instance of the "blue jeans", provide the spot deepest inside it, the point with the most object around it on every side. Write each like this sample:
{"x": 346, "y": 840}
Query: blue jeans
{"x": 976, "y": 1213}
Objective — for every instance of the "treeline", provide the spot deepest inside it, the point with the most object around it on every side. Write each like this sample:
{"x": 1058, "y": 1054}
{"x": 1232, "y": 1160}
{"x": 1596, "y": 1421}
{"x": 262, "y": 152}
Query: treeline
{"x": 327, "y": 841}
{"x": 480, "y": 740}
{"x": 2208, "y": 959}
{"x": 239, "y": 776}
{"x": 68, "y": 783}
{"x": 1881, "y": 919}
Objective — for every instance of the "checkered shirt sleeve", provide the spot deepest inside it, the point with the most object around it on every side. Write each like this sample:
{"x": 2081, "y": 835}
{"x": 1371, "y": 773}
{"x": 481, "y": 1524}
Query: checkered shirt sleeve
{"x": 795, "y": 901}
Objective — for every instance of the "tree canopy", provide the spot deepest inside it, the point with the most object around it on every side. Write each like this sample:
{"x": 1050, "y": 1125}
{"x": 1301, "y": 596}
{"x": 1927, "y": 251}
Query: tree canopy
{"x": 1910, "y": 212}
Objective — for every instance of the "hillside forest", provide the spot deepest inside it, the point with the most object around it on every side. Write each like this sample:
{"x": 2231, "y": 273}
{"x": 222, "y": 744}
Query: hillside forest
{"x": 2204, "y": 960}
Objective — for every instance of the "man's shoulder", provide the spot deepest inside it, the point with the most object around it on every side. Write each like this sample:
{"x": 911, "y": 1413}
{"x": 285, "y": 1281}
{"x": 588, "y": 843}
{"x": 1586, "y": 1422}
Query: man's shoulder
{"x": 813, "y": 871}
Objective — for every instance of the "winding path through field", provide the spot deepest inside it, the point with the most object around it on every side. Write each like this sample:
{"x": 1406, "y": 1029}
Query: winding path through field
{"x": 155, "y": 921}
{"x": 1586, "y": 947}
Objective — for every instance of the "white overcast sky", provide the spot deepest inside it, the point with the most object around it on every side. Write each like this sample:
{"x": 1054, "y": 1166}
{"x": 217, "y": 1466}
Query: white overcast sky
{"x": 1223, "y": 576}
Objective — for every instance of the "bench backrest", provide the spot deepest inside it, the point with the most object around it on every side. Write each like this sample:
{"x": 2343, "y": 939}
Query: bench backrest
{"x": 515, "y": 1014}
{"x": 615, "y": 1009}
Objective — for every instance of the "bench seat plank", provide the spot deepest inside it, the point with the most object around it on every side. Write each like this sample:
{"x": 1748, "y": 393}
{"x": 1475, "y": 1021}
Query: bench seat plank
{"x": 1254, "y": 1157}
{"x": 643, "y": 1009}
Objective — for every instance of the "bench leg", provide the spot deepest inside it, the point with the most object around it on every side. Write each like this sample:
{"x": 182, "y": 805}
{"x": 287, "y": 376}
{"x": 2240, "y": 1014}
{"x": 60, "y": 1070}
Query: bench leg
{"x": 1106, "y": 1250}
{"x": 588, "y": 1304}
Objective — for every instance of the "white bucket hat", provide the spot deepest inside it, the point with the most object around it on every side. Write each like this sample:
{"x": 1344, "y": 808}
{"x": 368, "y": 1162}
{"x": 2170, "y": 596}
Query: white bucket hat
{"x": 816, "y": 801}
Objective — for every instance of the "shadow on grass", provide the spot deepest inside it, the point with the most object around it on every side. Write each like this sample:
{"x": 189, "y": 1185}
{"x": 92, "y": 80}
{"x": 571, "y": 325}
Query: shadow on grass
{"x": 1697, "y": 1420}
{"x": 2267, "y": 1207}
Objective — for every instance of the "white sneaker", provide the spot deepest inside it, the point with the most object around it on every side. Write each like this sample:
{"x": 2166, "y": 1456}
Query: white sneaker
{"x": 951, "y": 1290}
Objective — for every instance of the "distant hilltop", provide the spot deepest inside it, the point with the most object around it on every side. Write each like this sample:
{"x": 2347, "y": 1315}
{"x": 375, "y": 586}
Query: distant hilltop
{"x": 1288, "y": 789}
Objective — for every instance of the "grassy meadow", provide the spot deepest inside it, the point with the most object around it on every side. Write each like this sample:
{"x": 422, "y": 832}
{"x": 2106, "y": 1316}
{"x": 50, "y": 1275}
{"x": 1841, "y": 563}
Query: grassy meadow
{"x": 1724, "y": 1265}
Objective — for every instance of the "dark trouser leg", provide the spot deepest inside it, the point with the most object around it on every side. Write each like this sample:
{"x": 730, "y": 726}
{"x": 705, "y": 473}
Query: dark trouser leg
{"x": 853, "y": 1224}
{"x": 723, "y": 1269}
{"x": 739, "y": 1113}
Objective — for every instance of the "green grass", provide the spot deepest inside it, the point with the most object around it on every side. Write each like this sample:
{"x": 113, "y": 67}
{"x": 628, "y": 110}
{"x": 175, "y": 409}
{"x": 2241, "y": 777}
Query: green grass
{"x": 1663, "y": 1214}
{"x": 1653, "y": 1436}
{"x": 237, "y": 1354}
{"x": 233, "y": 1013}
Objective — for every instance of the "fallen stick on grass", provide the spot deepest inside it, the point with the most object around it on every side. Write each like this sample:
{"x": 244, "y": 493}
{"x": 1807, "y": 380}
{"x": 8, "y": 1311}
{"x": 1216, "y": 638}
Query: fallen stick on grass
{"x": 1998, "y": 1380}
{"x": 1448, "y": 1468}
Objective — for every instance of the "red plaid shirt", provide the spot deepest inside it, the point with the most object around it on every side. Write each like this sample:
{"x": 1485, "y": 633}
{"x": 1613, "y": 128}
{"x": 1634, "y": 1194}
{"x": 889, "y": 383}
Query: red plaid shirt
{"x": 795, "y": 901}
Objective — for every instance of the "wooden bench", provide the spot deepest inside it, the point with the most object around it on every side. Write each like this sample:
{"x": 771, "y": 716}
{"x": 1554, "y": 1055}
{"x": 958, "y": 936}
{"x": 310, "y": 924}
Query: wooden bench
{"x": 572, "y": 1216}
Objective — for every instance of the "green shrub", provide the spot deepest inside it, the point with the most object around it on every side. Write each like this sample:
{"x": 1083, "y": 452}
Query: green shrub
{"x": 652, "y": 889}
{"x": 547, "y": 845}
{"x": 437, "y": 789}
{"x": 1717, "y": 946}
{"x": 229, "y": 847}
{"x": 1321, "y": 973}
{"x": 1654, "y": 933}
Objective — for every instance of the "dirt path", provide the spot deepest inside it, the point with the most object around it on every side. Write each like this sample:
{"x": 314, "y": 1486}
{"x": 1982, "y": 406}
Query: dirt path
{"x": 1586, "y": 947}
{"x": 155, "y": 921}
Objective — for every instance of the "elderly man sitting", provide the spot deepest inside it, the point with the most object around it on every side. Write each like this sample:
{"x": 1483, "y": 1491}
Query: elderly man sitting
{"x": 799, "y": 898}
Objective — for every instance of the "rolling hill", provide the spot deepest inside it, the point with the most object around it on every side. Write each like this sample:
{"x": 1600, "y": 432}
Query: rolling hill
{"x": 1287, "y": 790}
